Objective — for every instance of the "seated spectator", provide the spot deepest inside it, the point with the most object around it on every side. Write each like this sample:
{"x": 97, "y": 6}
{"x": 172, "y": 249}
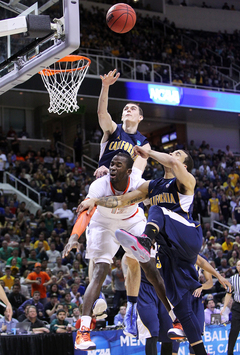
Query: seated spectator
{"x": 23, "y": 134}
{"x": 75, "y": 295}
{"x": 32, "y": 260}
{"x": 236, "y": 211}
{"x": 6, "y": 325}
{"x": 227, "y": 245}
{"x": 60, "y": 325}
{"x": 7, "y": 278}
{"x": 67, "y": 302}
{"x": 76, "y": 266}
{"x": 234, "y": 259}
{"x": 6, "y": 289}
{"x": 52, "y": 255}
{"x": 23, "y": 288}
{"x": 55, "y": 289}
{"x": 22, "y": 251}
{"x": 225, "y": 267}
{"x": 15, "y": 255}
{"x": 210, "y": 309}
{"x": 76, "y": 315}
{"x": 50, "y": 307}
{"x": 41, "y": 239}
{"x": 41, "y": 252}
{"x": 5, "y": 251}
{"x": 208, "y": 252}
{"x": 234, "y": 228}
{"x": 60, "y": 231}
{"x": 65, "y": 215}
{"x": 215, "y": 246}
{"x": 36, "y": 325}
{"x": 34, "y": 301}
{"x": 59, "y": 266}
{"x": 119, "y": 317}
{"x": 24, "y": 266}
{"x": 68, "y": 259}
{"x": 54, "y": 315}
{"x": 27, "y": 244}
{"x": 16, "y": 299}
{"x": 58, "y": 243}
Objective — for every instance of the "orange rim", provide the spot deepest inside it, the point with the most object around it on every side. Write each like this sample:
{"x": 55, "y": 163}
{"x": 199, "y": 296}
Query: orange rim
{"x": 68, "y": 58}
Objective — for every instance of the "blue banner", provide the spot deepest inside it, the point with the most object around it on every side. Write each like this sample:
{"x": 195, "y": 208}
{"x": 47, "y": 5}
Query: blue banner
{"x": 114, "y": 342}
{"x": 182, "y": 96}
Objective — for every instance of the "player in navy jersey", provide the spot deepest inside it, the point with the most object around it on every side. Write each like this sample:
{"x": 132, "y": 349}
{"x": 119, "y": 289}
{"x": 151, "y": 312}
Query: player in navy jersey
{"x": 118, "y": 137}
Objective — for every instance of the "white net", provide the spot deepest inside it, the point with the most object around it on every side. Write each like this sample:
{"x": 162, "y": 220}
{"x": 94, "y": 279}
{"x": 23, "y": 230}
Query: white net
{"x": 62, "y": 80}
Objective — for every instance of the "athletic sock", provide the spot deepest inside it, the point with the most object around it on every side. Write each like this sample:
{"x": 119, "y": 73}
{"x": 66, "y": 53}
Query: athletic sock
{"x": 172, "y": 315}
{"x": 132, "y": 299}
{"x": 85, "y": 322}
{"x": 150, "y": 231}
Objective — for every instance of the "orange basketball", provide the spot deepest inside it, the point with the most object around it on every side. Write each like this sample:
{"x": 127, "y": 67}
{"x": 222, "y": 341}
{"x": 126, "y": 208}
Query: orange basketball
{"x": 121, "y": 18}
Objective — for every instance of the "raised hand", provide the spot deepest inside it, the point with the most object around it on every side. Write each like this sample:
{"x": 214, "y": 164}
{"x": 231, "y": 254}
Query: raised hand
{"x": 110, "y": 78}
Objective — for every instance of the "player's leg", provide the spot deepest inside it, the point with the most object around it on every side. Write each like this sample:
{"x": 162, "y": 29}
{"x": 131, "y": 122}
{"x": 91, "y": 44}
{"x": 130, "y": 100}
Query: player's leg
{"x": 133, "y": 278}
{"x": 178, "y": 232}
{"x": 83, "y": 340}
{"x": 101, "y": 249}
{"x": 154, "y": 277}
{"x": 235, "y": 328}
{"x": 190, "y": 323}
{"x": 99, "y": 307}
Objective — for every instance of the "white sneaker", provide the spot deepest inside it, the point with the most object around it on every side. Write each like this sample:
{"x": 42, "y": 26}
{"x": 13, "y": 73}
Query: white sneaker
{"x": 99, "y": 309}
{"x": 83, "y": 340}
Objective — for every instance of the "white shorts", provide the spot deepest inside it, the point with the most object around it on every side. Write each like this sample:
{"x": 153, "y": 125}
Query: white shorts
{"x": 102, "y": 244}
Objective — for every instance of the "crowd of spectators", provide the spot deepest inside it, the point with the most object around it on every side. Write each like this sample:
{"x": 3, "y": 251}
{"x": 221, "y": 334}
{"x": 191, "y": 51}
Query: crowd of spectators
{"x": 192, "y": 55}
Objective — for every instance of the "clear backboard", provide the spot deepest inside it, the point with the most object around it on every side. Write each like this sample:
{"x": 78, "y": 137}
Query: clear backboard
{"x": 22, "y": 57}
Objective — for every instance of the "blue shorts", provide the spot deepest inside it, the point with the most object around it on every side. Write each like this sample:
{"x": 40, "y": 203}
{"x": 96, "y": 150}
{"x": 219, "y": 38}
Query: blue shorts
{"x": 181, "y": 235}
{"x": 180, "y": 276}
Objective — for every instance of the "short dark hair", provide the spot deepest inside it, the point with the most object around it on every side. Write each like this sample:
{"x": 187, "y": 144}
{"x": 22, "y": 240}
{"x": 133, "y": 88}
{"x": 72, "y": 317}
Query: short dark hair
{"x": 188, "y": 161}
{"x": 61, "y": 310}
{"x": 139, "y": 108}
{"x": 128, "y": 158}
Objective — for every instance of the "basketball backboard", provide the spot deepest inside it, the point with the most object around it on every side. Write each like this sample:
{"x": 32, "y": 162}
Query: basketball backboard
{"x": 22, "y": 57}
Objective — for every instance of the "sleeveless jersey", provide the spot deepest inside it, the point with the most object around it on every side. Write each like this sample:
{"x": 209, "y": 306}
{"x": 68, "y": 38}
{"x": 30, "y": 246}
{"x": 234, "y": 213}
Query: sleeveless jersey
{"x": 119, "y": 141}
{"x": 102, "y": 187}
{"x": 164, "y": 193}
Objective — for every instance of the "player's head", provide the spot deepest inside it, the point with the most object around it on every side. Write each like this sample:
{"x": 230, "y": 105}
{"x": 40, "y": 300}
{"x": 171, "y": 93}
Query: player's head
{"x": 132, "y": 112}
{"x": 120, "y": 167}
{"x": 185, "y": 157}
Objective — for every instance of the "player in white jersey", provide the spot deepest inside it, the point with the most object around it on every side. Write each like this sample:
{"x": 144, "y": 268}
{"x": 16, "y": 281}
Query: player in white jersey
{"x": 102, "y": 244}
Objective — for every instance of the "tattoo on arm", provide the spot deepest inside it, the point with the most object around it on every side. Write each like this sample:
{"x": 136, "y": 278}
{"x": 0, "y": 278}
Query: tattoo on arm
{"x": 120, "y": 201}
{"x": 110, "y": 202}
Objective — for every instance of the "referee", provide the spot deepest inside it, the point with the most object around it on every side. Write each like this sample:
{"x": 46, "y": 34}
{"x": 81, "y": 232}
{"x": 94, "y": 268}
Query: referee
{"x": 235, "y": 323}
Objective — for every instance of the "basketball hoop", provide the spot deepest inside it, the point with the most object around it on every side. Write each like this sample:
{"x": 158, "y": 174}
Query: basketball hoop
{"x": 62, "y": 81}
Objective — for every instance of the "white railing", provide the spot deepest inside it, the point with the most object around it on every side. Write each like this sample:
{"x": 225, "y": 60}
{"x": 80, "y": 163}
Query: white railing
{"x": 65, "y": 150}
{"x": 22, "y": 187}
{"x": 128, "y": 67}
{"x": 89, "y": 162}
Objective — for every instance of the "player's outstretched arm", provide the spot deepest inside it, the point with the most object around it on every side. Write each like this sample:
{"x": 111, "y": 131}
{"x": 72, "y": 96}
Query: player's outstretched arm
{"x": 167, "y": 160}
{"x": 105, "y": 120}
{"x": 203, "y": 264}
{"x": 130, "y": 198}
{"x": 140, "y": 163}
